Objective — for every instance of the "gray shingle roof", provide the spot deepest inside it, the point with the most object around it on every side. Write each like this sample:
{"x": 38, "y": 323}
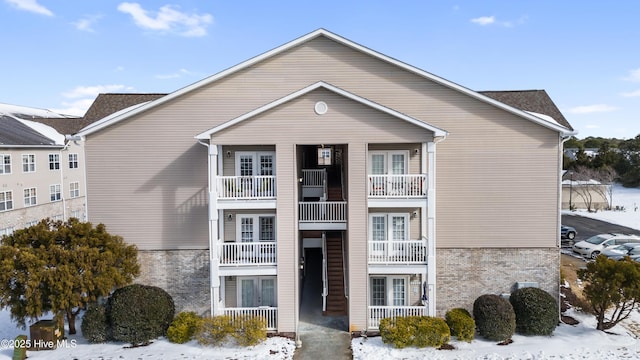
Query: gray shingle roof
{"x": 537, "y": 101}
{"x": 15, "y": 133}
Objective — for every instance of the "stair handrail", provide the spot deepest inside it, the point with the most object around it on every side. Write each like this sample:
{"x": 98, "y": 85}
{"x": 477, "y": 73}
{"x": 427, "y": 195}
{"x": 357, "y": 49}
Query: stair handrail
{"x": 324, "y": 272}
{"x": 344, "y": 269}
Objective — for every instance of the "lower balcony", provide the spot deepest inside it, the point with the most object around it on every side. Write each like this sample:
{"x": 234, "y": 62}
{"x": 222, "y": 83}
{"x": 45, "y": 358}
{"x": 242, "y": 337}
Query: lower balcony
{"x": 322, "y": 215}
{"x": 237, "y": 258}
{"x": 377, "y": 313}
{"x": 270, "y": 314}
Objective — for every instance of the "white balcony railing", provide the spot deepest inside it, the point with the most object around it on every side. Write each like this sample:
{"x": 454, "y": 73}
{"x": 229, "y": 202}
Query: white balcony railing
{"x": 323, "y": 212}
{"x": 398, "y": 186}
{"x": 248, "y": 253}
{"x": 246, "y": 187}
{"x": 377, "y": 313}
{"x": 393, "y": 252}
{"x": 269, "y": 313}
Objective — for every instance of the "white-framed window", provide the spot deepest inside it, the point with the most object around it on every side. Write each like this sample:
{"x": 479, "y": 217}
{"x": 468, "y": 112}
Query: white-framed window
{"x": 74, "y": 189}
{"x": 54, "y": 161}
{"x": 388, "y": 162}
{"x": 32, "y": 223}
{"x": 30, "y": 197}
{"x": 389, "y": 226}
{"x": 7, "y": 231}
{"x": 256, "y": 228}
{"x": 54, "y": 191}
{"x": 28, "y": 163}
{"x": 73, "y": 161}
{"x": 6, "y": 200}
{"x": 5, "y": 164}
{"x": 58, "y": 217}
{"x": 76, "y": 214}
{"x": 256, "y": 291}
{"x": 389, "y": 290}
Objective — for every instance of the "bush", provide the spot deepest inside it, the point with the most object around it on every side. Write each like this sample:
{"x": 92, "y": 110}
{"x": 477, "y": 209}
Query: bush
{"x": 139, "y": 313}
{"x": 494, "y": 316}
{"x": 418, "y": 331}
{"x": 461, "y": 324}
{"x": 250, "y": 330}
{"x": 183, "y": 327}
{"x": 94, "y": 324}
{"x": 536, "y": 311}
{"x": 214, "y": 330}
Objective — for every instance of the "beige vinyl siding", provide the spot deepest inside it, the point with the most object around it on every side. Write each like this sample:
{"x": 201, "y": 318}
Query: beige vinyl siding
{"x": 357, "y": 236}
{"x": 144, "y": 168}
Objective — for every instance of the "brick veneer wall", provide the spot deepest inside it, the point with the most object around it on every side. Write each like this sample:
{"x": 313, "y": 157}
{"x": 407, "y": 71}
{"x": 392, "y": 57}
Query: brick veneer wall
{"x": 182, "y": 273}
{"x": 465, "y": 274}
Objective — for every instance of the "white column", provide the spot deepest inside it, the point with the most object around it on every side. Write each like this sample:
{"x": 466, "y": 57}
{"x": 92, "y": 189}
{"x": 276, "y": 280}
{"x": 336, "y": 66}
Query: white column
{"x": 213, "y": 228}
{"x": 431, "y": 227}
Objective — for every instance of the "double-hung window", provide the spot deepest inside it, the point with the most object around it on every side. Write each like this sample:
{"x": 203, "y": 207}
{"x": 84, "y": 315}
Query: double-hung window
{"x": 74, "y": 189}
{"x": 6, "y": 200}
{"x": 54, "y": 190}
{"x": 73, "y": 161}
{"x": 30, "y": 198}
{"x": 5, "y": 164}
{"x": 54, "y": 161}
{"x": 28, "y": 163}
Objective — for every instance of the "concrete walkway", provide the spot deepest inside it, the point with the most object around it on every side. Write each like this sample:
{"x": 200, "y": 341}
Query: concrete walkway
{"x": 323, "y": 337}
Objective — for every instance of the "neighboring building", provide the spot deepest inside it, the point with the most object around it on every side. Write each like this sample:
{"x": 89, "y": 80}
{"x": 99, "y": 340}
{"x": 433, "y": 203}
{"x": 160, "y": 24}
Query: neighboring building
{"x": 42, "y": 174}
{"x": 324, "y": 156}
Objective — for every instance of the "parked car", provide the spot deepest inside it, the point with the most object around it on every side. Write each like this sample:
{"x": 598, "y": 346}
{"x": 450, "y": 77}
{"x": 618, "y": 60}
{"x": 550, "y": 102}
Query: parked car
{"x": 593, "y": 246}
{"x": 620, "y": 251}
{"x": 567, "y": 232}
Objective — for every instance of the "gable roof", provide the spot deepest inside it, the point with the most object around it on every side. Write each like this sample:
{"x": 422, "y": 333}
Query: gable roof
{"x": 18, "y": 133}
{"x": 321, "y": 84}
{"x": 324, "y": 33}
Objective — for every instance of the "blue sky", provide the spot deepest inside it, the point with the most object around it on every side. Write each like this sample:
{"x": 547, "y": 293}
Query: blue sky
{"x": 59, "y": 55}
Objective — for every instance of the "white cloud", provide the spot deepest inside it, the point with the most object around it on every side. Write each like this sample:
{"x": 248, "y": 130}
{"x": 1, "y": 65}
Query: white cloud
{"x": 168, "y": 19}
{"x": 31, "y": 6}
{"x": 634, "y": 75}
{"x": 484, "y": 20}
{"x": 589, "y": 109}
{"x": 93, "y": 91}
{"x": 175, "y": 75}
{"x": 86, "y": 24}
{"x": 631, "y": 94}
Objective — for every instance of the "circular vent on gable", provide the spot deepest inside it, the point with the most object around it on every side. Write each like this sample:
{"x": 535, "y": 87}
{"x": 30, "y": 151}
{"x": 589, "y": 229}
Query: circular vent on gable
{"x": 321, "y": 107}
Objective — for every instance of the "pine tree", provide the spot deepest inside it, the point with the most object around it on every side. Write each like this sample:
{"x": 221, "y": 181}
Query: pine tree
{"x": 60, "y": 267}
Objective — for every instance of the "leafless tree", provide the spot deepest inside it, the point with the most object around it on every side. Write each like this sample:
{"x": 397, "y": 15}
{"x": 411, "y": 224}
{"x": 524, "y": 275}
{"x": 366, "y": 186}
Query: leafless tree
{"x": 590, "y": 183}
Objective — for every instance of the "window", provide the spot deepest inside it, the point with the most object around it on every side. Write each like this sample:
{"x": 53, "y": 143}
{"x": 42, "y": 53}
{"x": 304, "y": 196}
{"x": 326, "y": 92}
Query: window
{"x": 255, "y": 164}
{"x": 54, "y": 190}
{"x": 57, "y": 217}
{"x": 256, "y": 291}
{"x": 74, "y": 189}
{"x": 76, "y": 214}
{"x": 28, "y": 163}
{"x": 32, "y": 223}
{"x": 73, "y": 161}
{"x": 5, "y": 164}
{"x": 30, "y": 197}
{"x": 389, "y": 227}
{"x": 389, "y": 291}
{"x": 54, "y": 162}
{"x": 6, "y": 200}
{"x": 7, "y": 231}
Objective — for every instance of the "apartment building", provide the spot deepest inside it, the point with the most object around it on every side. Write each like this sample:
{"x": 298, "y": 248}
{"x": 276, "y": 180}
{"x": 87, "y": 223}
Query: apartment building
{"x": 322, "y": 156}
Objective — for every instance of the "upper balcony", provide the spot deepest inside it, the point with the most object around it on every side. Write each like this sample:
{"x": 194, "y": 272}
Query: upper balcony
{"x": 401, "y": 189}
{"x": 246, "y": 191}
{"x": 399, "y": 256}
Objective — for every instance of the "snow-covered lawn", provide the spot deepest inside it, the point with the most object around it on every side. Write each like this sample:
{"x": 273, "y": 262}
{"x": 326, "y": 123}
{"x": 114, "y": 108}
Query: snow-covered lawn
{"x": 581, "y": 341}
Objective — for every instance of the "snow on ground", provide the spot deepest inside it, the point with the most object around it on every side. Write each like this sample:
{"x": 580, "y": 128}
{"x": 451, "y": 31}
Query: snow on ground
{"x": 568, "y": 342}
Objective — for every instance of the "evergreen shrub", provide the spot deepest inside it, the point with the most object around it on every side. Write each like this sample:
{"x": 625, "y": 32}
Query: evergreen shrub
{"x": 536, "y": 311}
{"x": 250, "y": 330}
{"x": 461, "y": 324}
{"x": 418, "y": 331}
{"x": 214, "y": 330}
{"x": 494, "y": 317}
{"x": 139, "y": 313}
{"x": 183, "y": 327}
{"x": 94, "y": 324}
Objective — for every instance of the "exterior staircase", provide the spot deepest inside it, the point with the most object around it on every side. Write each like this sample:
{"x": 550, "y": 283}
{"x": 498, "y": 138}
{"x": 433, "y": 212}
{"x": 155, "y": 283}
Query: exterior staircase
{"x": 336, "y": 300}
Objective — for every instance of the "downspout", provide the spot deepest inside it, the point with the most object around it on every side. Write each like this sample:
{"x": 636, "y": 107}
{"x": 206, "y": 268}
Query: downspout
{"x": 214, "y": 281}
{"x": 431, "y": 225}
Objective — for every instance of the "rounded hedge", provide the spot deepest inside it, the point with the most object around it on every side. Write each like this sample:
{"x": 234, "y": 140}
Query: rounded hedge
{"x": 536, "y": 311}
{"x": 494, "y": 316}
{"x": 461, "y": 324}
{"x": 139, "y": 313}
{"x": 184, "y": 327}
{"x": 94, "y": 324}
